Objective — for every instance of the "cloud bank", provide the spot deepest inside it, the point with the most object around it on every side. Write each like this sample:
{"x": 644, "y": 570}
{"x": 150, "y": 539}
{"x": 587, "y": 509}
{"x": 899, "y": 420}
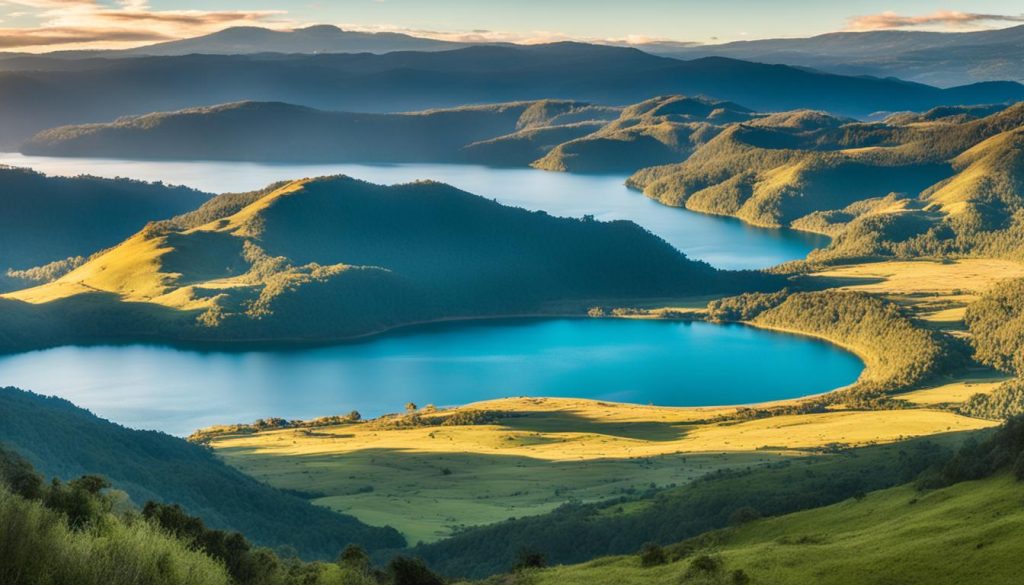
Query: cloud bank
{"x": 74, "y": 24}
{"x": 944, "y": 19}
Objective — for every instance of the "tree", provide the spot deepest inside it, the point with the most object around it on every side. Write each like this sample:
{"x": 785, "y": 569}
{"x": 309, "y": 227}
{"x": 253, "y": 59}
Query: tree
{"x": 529, "y": 558}
{"x": 652, "y": 555}
{"x": 355, "y": 416}
{"x": 410, "y": 571}
{"x": 354, "y": 557}
{"x": 410, "y": 407}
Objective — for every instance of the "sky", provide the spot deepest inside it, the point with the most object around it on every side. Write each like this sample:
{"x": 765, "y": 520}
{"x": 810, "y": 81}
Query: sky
{"x": 46, "y": 25}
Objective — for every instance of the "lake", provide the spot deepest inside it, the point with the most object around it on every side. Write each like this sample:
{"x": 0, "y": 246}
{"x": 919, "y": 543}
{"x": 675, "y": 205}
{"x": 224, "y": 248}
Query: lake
{"x": 640, "y": 361}
{"x": 721, "y": 241}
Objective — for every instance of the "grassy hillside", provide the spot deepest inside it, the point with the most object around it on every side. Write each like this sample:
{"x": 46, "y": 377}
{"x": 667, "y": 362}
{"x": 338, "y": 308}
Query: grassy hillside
{"x": 265, "y": 131}
{"x": 946, "y": 183}
{"x": 331, "y": 258}
{"x": 968, "y": 533}
{"x": 83, "y": 531}
{"x": 65, "y": 441}
{"x": 38, "y": 545}
{"x": 45, "y": 220}
{"x": 657, "y": 131}
{"x": 524, "y": 457}
{"x": 960, "y": 521}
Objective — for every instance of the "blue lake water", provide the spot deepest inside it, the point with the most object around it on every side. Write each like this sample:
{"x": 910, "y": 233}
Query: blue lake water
{"x": 721, "y": 241}
{"x": 659, "y": 362}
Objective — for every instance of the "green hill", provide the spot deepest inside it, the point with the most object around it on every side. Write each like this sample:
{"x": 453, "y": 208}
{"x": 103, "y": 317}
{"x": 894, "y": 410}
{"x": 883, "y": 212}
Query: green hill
{"x": 959, "y": 521}
{"x": 575, "y": 533}
{"x": 65, "y": 441}
{"x": 967, "y": 533}
{"x": 270, "y": 131}
{"x": 947, "y": 182}
{"x": 657, "y": 131}
{"x": 46, "y": 220}
{"x": 333, "y": 258}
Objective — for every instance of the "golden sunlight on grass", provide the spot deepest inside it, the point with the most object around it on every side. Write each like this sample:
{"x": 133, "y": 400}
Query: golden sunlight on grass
{"x": 427, "y": 481}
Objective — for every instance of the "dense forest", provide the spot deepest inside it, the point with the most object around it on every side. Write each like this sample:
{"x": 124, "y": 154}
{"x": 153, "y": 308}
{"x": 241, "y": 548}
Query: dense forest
{"x": 898, "y": 354}
{"x": 65, "y": 441}
{"x": 996, "y": 323}
{"x": 54, "y": 222}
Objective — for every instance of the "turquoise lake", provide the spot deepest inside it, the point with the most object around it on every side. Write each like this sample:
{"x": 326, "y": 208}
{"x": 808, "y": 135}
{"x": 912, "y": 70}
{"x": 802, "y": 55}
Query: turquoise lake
{"x": 660, "y": 362}
{"x": 666, "y": 363}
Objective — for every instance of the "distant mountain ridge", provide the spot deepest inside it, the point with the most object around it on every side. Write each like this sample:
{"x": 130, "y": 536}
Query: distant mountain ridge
{"x": 98, "y": 90}
{"x": 314, "y": 39}
{"x": 937, "y": 58}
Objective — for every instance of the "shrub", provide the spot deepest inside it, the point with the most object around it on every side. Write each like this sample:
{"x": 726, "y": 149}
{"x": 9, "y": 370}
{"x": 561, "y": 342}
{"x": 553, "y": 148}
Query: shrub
{"x": 652, "y": 555}
{"x": 410, "y": 571}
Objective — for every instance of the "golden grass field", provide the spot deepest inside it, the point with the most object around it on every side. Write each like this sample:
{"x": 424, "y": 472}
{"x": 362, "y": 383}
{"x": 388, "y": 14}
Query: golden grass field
{"x": 428, "y": 481}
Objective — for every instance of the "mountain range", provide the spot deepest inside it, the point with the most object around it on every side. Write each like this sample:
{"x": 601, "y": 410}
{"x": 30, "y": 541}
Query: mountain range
{"x": 937, "y": 58}
{"x": 101, "y": 89}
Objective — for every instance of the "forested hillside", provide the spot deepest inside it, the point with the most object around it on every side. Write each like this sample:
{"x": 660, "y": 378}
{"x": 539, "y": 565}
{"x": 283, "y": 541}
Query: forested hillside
{"x": 267, "y": 131}
{"x": 334, "y": 258}
{"x": 65, "y": 441}
{"x": 53, "y": 223}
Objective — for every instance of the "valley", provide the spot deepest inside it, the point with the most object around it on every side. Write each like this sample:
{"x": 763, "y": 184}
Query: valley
{"x": 295, "y": 304}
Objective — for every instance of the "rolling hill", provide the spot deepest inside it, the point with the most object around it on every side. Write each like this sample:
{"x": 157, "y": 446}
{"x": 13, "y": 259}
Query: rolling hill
{"x": 54, "y": 221}
{"x": 946, "y": 182}
{"x": 49, "y": 93}
{"x": 657, "y": 131}
{"x": 332, "y": 258}
{"x": 265, "y": 131}
{"x": 959, "y": 522}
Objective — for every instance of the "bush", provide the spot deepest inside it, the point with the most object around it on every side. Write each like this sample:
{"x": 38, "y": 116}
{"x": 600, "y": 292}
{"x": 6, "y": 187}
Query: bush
{"x": 652, "y": 555}
{"x": 743, "y": 515}
{"x": 410, "y": 571}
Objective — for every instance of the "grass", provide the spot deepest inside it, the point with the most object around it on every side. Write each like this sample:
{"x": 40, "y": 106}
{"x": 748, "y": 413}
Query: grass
{"x": 548, "y": 452}
{"x": 936, "y": 292}
{"x": 971, "y": 532}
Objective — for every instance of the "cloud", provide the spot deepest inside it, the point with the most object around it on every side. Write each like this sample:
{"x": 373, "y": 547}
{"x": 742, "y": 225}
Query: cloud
{"x": 74, "y": 24}
{"x": 939, "y": 19}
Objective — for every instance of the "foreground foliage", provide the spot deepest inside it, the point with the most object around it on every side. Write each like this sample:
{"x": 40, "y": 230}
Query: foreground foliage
{"x": 66, "y": 441}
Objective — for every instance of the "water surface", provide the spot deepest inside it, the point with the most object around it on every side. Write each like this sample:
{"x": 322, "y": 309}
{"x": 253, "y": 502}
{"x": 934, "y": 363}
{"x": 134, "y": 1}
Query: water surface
{"x": 659, "y": 362}
{"x": 721, "y": 241}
